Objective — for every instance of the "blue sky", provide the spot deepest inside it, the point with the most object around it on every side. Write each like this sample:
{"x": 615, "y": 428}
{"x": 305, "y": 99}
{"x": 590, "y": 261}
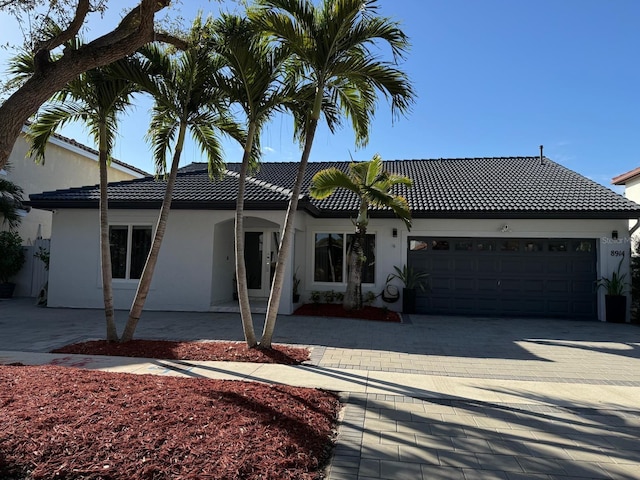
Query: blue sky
{"x": 493, "y": 78}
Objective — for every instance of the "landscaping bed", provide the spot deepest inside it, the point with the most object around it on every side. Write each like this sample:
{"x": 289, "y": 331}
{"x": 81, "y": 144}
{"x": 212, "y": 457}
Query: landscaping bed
{"x": 67, "y": 423}
{"x": 172, "y": 350}
{"x": 337, "y": 310}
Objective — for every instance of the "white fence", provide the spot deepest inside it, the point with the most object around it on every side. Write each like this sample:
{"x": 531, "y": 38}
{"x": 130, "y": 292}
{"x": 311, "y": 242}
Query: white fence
{"x": 33, "y": 275}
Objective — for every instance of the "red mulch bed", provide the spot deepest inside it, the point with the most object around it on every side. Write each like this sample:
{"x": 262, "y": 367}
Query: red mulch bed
{"x": 337, "y": 310}
{"x": 66, "y": 423}
{"x": 170, "y": 350}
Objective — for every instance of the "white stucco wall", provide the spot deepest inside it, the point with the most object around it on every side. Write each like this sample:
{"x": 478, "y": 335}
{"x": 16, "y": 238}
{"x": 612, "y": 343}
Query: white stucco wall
{"x": 196, "y": 263}
{"x": 194, "y": 270}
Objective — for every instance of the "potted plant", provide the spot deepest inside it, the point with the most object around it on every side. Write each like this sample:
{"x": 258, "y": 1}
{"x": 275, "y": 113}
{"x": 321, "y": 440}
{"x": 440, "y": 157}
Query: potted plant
{"x": 615, "y": 299}
{"x": 412, "y": 281}
{"x": 11, "y": 261}
{"x": 296, "y": 286}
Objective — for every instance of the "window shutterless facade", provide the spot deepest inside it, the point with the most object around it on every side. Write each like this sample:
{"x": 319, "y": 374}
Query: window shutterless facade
{"x": 330, "y": 257}
{"x": 130, "y": 245}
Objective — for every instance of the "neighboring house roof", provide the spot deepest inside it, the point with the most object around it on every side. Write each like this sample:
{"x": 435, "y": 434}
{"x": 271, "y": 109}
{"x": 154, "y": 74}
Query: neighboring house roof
{"x": 625, "y": 177}
{"x": 67, "y": 142}
{"x": 462, "y": 187}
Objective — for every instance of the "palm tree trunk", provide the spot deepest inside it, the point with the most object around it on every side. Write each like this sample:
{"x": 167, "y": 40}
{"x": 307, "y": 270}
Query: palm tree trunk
{"x": 147, "y": 273}
{"x": 105, "y": 249}
{"x": 353, "y": 294}
{"x": 287, "y": 240}
{"x": 241, "y": 270}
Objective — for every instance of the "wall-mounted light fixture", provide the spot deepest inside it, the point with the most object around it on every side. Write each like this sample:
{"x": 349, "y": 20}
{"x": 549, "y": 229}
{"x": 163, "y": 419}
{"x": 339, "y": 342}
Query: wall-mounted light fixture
{"x": 614, "y": 234}
{"x": 394, "y": 233}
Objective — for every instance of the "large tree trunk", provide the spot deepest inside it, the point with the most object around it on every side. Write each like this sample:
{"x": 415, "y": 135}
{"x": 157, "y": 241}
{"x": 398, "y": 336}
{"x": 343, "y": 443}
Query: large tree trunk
{"x": 147, "y": 273}
{"x": 105, "y": 249}
{"x": 241, "y": 270}
{"x": 353, "y": 294}
{"x": 134, "y": 30}
{"x": 287, "y": 240}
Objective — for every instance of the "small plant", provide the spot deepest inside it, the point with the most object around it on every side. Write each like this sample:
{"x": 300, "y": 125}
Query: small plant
{"x": 329, "y": 296}
{"x": 339, "y": 297}
{"x": 44, "y": 256}
{"x": 296, "y": 286}
{"x": 369, "y": 297}
{"x": 616, "y": 285}
{"x": 11, "y": 255}
{"x": 315, "y": 297}
{"x": 409, "y": 277}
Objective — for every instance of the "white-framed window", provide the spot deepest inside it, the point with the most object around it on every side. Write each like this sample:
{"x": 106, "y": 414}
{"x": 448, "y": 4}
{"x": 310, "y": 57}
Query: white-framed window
{"x": 330, "y": 257}
{"x": 130, "y": 245}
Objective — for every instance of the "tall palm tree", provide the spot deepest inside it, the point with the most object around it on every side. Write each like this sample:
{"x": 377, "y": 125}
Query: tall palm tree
{"x": 373, "y": 185}
{"x": 336, "y": 72}
{"x": 252, "y": 78}
{"x": 186, "y": 100}
{"x": 96, "y": 98}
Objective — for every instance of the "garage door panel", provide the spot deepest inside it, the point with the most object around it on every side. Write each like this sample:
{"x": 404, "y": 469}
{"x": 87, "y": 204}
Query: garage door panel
{"x": 533, "y": 286}
{"x": 558, "y": 287}
{"x": 462, "y": 285}
{"x": 581, "y": 268}
{"x": 511, "y": 266}
{"x": 510, "y": 285}
{"x": 521, "y": 281}
{"x": 558, "y": 307}
{"x": 534, "y": 265}
{"x": 488, "y": 285}
{"x": 487, "y": 264}
{"x": 464, "y": 266}
{"x": 441, "y": 264}
{"x": 559, "y": 265}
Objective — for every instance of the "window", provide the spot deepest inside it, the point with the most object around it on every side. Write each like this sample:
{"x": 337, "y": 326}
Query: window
{"x": 130, "y": 245}
{"x": 330, "y": 257}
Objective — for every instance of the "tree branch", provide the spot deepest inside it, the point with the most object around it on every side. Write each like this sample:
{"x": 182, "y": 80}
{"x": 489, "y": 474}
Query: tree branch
{"x": 168, "y": 38}
{"x": 72, "y": 30}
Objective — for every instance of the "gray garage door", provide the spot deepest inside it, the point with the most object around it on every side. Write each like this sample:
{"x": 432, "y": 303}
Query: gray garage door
{"x": 507, "y": 277}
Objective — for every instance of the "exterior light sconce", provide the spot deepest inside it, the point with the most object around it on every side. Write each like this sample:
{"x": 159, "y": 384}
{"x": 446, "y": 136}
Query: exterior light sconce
{"x": 394, "y": 233}
{"x": 614, "y": 234}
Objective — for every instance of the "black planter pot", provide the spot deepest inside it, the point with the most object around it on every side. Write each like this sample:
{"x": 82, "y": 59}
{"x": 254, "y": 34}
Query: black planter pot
{"x": 6, "y": 290}
{"x": 408, "y": 300}
{"x": 615, "y": 308}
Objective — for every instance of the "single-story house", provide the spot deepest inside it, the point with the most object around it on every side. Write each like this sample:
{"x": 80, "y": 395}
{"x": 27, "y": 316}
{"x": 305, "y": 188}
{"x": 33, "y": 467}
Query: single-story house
{"x": 511, "y": 236}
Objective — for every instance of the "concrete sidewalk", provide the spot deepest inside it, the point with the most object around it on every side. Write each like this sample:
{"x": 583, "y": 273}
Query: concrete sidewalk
{"x": 434, "y": 397}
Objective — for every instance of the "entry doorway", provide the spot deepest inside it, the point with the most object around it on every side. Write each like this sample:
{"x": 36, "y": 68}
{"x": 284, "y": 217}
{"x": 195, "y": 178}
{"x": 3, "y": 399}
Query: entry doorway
{"x": 260, "y": 256}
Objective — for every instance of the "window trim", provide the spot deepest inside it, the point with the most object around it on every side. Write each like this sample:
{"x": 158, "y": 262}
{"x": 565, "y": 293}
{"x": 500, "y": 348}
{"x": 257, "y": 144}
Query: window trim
{"x": 330, "y": 231}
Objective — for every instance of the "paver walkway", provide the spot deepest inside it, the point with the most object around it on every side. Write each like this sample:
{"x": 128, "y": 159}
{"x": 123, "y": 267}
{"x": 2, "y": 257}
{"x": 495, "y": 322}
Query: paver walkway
{"x": 432, "y": 398}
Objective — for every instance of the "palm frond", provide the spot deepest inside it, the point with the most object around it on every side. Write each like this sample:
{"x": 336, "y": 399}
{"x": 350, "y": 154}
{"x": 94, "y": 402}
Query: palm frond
{"x": 325, "y": 182}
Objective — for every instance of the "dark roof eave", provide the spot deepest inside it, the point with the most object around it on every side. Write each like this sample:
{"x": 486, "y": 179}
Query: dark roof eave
{"x": 484, "y": 214}
{"x": 155, "y": 205}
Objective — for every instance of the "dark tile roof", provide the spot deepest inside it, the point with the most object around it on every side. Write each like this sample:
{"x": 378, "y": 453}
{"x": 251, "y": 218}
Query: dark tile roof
{"x": 468, "y": 187}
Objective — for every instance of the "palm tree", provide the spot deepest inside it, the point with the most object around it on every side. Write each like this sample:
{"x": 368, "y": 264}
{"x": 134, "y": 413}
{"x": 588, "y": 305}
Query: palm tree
{"x": 252, "y": 79}
{"x": 96, "y": 98}
{"x": 373, "y": 186}
{"x": 335, "y": 72}
{"x": 10, "y": 203}
{"x": 186, "y": 100}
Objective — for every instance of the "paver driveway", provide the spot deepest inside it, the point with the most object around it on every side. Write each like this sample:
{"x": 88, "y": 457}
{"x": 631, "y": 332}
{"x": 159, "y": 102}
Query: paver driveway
{"x": 434, "y": 397}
